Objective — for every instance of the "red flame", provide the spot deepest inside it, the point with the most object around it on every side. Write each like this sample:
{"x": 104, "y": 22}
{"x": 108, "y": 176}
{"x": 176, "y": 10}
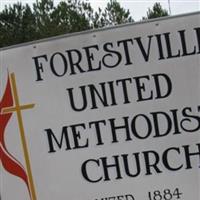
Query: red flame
{"x": 8, "y": 161}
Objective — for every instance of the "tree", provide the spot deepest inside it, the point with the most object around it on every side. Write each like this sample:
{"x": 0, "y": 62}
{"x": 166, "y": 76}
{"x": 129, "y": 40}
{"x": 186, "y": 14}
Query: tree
{"x": 42, "y": 12}
{"x": 70, "y": 16}
{"x": 113, "y": 14}
{"x": 77, "y": 15}
{"x": 156, "y": 11}
{"x": 17, "y": 24}
{"x": 22, "y": 23}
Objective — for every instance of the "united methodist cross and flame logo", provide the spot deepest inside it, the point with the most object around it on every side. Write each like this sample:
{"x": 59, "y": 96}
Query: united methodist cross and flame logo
{"x": 10, "y": 105}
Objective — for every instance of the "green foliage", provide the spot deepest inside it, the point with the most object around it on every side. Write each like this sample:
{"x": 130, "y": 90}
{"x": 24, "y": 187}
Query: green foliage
{"x": 73, "y": 16}
{"x": 22, "y": 23}
{"x": 156, "y": 11}
{"x": 112, "y": 15}
{"x": 70, "y": 16}
{"x": 19, "y": 23}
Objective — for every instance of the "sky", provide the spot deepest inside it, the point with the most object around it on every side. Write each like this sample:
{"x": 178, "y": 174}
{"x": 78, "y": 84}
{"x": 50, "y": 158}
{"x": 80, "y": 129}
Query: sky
{"x": 138, "y": 8}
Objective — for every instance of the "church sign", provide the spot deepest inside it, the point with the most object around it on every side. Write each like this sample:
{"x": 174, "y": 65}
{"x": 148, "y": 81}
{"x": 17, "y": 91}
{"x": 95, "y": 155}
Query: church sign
{"x": 109, "y": 114}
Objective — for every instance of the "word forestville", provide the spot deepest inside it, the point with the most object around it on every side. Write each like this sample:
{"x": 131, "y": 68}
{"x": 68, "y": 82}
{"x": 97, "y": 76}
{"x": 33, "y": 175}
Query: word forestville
{"x": 120, "y": 53}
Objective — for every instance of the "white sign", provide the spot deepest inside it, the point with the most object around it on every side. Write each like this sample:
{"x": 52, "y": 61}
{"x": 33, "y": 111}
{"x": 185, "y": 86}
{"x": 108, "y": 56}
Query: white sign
{"x": 112, "y": 114}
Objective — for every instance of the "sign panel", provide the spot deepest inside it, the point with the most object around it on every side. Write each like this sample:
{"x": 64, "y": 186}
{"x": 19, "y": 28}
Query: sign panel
{"x": 112, "y": 114}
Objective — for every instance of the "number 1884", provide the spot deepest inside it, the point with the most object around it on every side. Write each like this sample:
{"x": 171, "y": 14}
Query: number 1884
{"x": 166, "y": 194}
